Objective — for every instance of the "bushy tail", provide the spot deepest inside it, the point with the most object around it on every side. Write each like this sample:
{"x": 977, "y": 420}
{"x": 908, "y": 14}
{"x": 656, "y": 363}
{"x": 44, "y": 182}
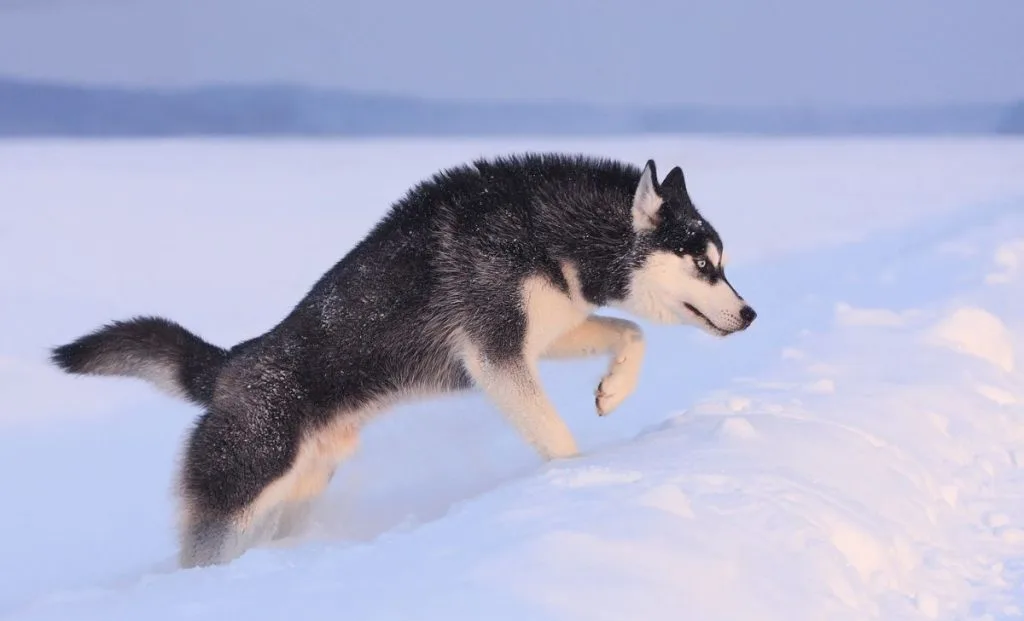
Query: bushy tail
{"x": 150, "y": 348}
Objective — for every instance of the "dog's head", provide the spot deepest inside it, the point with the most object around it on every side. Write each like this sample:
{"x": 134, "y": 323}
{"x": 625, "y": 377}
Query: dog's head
{"x": 681, "y": 273}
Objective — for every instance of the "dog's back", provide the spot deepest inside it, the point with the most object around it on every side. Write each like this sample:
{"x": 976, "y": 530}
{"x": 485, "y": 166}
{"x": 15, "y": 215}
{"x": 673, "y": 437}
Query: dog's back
{"x": 448, "y": 262}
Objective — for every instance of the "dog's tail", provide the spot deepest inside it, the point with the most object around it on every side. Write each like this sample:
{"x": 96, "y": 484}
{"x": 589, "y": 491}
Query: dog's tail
{"x": 150, "y": 348}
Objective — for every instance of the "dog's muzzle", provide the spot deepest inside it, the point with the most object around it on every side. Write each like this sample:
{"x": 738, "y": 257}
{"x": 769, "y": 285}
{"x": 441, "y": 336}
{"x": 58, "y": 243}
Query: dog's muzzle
{"x": 747, "y": 316}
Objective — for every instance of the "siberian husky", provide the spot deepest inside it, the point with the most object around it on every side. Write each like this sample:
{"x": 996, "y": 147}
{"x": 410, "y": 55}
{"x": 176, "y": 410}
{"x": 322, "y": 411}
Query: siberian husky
{"x": 473, "y": 276}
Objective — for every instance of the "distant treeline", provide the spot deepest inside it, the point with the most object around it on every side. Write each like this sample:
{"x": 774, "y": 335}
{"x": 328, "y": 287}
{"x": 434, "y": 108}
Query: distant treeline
{"x": 29, "y": 109}
{"x": 1013, "y": 122}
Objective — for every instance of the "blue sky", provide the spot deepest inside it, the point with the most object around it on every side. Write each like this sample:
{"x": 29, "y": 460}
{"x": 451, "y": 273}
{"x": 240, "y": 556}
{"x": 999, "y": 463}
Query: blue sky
{"x": 659, "y": 51}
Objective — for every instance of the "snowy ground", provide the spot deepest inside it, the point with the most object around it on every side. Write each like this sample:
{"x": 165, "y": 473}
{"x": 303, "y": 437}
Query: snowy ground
{"x": 857, "y": 454}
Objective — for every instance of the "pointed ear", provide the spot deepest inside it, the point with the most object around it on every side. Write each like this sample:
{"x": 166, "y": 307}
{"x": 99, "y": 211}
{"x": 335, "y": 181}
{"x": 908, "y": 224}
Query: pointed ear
{"x": 646, "y": 201}
{"x": 675, "y": 180}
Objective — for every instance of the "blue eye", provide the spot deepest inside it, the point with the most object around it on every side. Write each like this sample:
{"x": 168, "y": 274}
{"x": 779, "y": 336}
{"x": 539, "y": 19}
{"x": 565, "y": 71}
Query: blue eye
{"x": 701, "y": 264}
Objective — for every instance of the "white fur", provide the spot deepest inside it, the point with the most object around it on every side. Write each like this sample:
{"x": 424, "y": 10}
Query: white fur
{"x": 713, "y": 255}
{"x": 621, "y": 338}
{"x": 515, "y": 387}
{"x": 646, "y": 202}
{"x": 660, "y": 289}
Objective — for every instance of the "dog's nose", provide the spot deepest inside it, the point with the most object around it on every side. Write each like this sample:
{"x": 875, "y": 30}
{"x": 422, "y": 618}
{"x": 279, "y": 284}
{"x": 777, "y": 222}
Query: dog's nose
{"x": 748, "y": 315}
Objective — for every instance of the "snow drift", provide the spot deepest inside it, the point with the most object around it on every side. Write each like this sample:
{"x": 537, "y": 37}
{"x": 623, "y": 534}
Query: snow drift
{"x": 857, "y": 457}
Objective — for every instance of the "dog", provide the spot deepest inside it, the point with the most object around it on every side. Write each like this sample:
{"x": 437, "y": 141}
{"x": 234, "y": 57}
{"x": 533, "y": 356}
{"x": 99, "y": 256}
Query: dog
{"x": 472, "y": 277}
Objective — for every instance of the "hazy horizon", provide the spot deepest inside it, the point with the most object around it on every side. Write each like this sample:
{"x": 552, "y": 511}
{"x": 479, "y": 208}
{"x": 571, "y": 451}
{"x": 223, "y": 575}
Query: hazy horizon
{"x": 797, "y": 53}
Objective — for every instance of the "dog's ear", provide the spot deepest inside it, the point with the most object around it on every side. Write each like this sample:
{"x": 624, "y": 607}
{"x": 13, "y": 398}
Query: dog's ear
{"x": 646, "y": 200}
{"x": 675, "y": 180}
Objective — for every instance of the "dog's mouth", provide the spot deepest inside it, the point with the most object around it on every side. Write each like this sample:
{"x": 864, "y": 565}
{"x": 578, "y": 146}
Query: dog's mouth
{"x": 707, "y": 322}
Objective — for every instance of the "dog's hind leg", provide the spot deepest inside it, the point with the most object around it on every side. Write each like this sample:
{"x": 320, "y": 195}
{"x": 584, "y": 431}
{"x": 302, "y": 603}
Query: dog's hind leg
{"x": 241, "y": 464}
{"x": 324, "y": 450}
{"x": 597, "y": 336}
{"x": 296, "y": 508}
{"x": 514, "y": 386}
{"x": 249, "y": 479}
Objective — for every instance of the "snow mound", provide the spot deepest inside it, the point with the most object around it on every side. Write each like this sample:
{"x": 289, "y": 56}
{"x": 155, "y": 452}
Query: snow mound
{"x": 977, "y": 332}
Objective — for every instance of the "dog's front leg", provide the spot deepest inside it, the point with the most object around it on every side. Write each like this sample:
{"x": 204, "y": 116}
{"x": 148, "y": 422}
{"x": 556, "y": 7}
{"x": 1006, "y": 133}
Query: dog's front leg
{"x": 515, "y": 388}
{"x": 596, "y": 336}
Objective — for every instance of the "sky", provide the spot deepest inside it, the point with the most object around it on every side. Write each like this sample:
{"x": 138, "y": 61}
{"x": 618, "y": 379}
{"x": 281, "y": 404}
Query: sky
{"x": 761, "y": 52}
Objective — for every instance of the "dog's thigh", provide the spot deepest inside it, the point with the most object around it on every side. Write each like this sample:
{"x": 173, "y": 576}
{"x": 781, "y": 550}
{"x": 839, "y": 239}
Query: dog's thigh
{"x": 240, "y": 465}
{"x": 514, "y": 387}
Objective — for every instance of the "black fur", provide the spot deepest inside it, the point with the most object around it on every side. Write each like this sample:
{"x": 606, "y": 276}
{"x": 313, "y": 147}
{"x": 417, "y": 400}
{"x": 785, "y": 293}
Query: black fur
{"x": 142, "y": 344}
{"x": 452, "y": 253}
{"x": 681, "y": 228}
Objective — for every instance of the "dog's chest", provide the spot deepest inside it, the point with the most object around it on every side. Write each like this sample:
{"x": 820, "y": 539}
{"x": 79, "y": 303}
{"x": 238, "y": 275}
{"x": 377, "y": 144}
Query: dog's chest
{"x": 550, "y": 312}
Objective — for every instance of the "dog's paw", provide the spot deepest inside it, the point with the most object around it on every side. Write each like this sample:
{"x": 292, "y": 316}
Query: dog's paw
{"x": 617, "y": 384}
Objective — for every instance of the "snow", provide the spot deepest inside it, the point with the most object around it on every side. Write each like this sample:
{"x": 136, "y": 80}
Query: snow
{"x": 857, "y": 454}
